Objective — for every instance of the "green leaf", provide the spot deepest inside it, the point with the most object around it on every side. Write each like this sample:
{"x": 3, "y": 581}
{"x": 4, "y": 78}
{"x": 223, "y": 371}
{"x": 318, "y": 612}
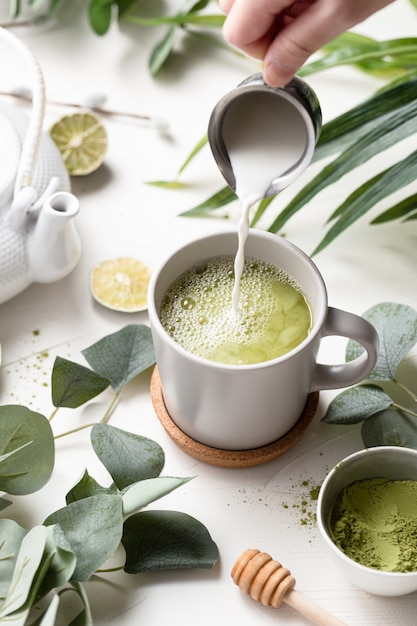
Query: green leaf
{"x": 263, "y": 205}
{"x": 123, "y": 355}
{"x": 356, "y": 404}
{"x": 4, "y": 503}
{"x": 392, "y": 427}
{"x": 11, "y": 537}
{"x": 166, "y": 184}
{"x": 62, "y": 561}
{"x": 197, "y": 148}
{"x": 29, "y": 436}
{"x": 84, "y": 618}
{"x": 100, "y": 14}
{"x": 399, "y": 210}
{"x": 207, "y": 21}
{"x": 93, "y": 528}
{"x": 142, "y": 493}
{"x": 369, "y": 194}
{"x": 54, "y": 4}
{"x": 347, "y": 127}
{"x": 161, "y": 540}
{"x": 74, "y": 385}
{"x": 48, "y": 617}
{"x": 391, "y": 129}
{"x": 26, "y": 567}
{"x": 14, "y": 8}
{"x": 87, "y": 486}
{"x": 365, "y": 51}
{"x": 396, "y": 325}
{"x": 162, "y": 51}
{"x": 127, "y": 457}
{"x": 219, "y": 199}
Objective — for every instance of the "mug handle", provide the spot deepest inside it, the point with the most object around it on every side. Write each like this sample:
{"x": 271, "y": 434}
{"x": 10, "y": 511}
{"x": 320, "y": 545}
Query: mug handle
{"x": 346, "y": 324}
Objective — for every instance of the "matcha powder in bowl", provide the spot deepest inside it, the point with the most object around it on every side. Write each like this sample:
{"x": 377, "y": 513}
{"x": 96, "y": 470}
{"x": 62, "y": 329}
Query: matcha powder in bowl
{"x": 367, "y": 517}
{"x": 374, "y": 522}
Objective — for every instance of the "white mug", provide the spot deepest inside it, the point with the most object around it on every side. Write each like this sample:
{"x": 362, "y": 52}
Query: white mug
{"x": 241, "y": 407}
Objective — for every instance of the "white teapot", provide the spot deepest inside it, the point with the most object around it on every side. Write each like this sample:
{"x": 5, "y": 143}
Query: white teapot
{"x": 38, "y": 239}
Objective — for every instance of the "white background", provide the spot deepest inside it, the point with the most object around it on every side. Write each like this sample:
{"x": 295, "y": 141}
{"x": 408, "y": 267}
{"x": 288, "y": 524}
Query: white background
{"x": 120, "y": 215}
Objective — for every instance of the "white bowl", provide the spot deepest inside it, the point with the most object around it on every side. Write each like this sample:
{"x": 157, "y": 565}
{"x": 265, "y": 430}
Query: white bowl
{"x": 390, "y": 462}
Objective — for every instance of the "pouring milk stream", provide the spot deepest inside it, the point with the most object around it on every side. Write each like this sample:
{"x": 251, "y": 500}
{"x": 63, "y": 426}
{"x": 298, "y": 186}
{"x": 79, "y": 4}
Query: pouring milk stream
{"x": 262, "y": 139}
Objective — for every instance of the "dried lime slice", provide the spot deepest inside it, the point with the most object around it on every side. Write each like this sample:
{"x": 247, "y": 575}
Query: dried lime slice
{"x": 82, "y": 141}
{"x": 121, "y": 284}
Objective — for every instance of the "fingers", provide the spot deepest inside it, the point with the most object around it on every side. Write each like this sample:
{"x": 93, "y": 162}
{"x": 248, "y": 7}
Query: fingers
{"x": 312, "y": 26}
{"x": 252, "y": 24}
{"x": 225, "y": 5}
{"x": 302, "y": 35}
{"x": 284, "y": 33}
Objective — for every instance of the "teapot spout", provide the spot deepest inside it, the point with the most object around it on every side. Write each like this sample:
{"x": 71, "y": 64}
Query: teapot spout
{"x": 54, "y": 246}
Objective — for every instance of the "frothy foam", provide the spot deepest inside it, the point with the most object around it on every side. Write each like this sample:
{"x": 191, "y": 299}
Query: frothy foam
{"x": 272, "y": 316}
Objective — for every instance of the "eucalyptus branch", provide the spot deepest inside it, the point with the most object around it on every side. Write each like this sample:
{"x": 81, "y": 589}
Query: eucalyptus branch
{"x": 404, "y": 409}
{"x": 115, "y": 512}
{"x": 406, "y": 389}
{"x": 111, "y": 408}
{"x": 109, "y": 570}
{"x": 54, "y": 412}
{"x": 75, "y": 430}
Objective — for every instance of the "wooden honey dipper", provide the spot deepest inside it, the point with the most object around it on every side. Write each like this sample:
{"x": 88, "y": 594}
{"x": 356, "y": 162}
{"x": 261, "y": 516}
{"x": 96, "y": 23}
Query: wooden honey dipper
{"x": 268, "y": 582}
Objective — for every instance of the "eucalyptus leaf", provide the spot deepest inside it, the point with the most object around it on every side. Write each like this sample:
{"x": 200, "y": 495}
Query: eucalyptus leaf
{"x": 356, "y": 404}
{"x": 26, "y": 567}
{"x": 87, "y": 486}
{"x": 161, "y": 540}
{"x": 84, "y": 618}
{"x": 74, "y": 384}
{"x": 396, "y": 325}
{"x": 392, "y": 427}
{"x": 127, "y": 457}
{"x": 11, "y": 537}
{"x": 142, "y": 493}
{"x": 123, "y": 355}
{"x": 48, "y": 617}
{"x": 62, "y": 562}
{"x": 4, "y": 503}
{"x": 29, "y": 436}
{"x": 93, "y": 528}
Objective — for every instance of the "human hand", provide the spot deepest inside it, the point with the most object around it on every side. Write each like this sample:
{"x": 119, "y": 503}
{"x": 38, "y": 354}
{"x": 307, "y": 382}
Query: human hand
{"x": 284, "y": 33}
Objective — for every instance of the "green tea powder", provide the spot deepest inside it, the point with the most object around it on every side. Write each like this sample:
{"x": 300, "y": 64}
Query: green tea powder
{"x": 374, "y": 522}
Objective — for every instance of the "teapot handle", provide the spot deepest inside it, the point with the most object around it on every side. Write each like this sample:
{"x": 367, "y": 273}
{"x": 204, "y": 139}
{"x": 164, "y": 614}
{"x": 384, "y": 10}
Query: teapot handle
{"x": 32, "y": 139}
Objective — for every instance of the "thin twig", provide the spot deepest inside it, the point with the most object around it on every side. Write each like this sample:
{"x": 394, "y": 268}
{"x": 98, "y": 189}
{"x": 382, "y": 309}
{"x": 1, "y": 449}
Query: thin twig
{"x": 76, "y": 105}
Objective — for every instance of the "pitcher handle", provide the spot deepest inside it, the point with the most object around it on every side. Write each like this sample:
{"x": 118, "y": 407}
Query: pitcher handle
{"x": 345, "y": 324}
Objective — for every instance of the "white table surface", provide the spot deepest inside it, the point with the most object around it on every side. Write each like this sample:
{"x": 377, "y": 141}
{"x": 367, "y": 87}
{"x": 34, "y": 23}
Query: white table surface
{"x": 242, "y": 508}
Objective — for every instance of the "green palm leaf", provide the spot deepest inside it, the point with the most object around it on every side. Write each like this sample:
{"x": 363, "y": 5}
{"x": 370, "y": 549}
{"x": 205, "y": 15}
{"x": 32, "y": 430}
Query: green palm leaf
{"x": 345, "y": 128}
{"x": 402, "y": 209}
{"x": 366, "y": 196}
{"x": 388, "y": 131}
{"x": 368, "y": 54}
{"x": 216, "y": 201}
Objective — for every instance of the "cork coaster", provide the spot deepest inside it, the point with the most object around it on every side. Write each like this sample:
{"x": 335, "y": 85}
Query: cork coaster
{"x": 229, "y": 458}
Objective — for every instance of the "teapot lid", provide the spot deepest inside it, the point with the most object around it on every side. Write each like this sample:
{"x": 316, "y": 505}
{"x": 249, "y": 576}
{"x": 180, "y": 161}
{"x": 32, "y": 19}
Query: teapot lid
{"x": 10, "y": 151}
